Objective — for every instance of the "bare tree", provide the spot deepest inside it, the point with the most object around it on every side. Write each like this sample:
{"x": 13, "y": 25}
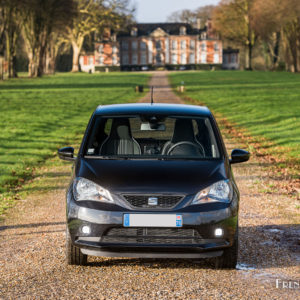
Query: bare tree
{"x": 190, "y": 16}
{"x": 39, "y": 20}
{"x": 278, "y": 24}
{"x": 93, "y": 16}
{"x": 9, "y": 33}
{"x": 234, "y": 21}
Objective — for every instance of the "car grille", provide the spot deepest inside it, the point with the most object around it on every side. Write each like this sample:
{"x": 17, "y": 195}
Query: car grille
{"x": 163, "y": 201}
{"x": 142, "y": 235}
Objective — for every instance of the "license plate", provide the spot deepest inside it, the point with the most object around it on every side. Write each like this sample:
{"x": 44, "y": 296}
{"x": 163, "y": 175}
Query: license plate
{"x": 152, "y": 220}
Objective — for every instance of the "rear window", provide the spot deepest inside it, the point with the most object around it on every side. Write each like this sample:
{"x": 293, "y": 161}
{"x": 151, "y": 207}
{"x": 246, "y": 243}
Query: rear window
{"x": 152, "y": 137}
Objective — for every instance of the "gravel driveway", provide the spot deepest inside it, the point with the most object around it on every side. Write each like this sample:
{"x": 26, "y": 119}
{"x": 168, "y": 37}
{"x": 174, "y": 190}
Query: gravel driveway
{"x": 32, "y": 261}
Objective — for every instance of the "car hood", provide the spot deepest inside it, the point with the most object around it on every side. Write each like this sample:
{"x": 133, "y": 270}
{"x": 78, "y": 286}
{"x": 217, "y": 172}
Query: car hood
{"x": 152, "y": 176}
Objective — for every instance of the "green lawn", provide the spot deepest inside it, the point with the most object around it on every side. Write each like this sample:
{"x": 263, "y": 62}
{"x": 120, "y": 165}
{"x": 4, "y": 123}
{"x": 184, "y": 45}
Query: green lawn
{"x": 40, "y": 115}
{"x": 265, "y": 104}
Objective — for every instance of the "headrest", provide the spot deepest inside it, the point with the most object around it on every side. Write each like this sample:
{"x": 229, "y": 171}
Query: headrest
{"x": 183, "y": 131}
{"x": 120, "y": 129}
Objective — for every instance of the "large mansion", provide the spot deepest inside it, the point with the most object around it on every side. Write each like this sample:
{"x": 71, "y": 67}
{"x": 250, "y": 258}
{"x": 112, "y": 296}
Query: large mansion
{"x": 158, "y": 45}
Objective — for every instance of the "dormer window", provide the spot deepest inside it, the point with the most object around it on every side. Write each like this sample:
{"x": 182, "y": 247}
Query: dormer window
{"x": 182, "y": 30}
{"x": 134, "y": 31}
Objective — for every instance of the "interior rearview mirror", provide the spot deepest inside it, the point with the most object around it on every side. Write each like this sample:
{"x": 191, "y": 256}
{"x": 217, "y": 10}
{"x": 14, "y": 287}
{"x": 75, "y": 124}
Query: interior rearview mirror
{"x": 153, "y": 126}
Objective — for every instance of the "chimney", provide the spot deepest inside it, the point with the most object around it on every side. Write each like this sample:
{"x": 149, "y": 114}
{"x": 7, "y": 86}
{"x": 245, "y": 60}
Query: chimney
{"x": 198, "y": 23}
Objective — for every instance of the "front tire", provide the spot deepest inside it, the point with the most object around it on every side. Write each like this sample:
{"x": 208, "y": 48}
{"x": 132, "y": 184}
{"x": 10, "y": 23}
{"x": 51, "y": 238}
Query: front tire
{"x": 73, "y": 254}
{"x": 228, "y": 260}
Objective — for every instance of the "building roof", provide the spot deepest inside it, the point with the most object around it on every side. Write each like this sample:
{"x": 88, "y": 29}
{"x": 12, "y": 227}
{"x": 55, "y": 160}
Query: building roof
{"x": 156, "y": 108}
{"x": 170, "y": 28}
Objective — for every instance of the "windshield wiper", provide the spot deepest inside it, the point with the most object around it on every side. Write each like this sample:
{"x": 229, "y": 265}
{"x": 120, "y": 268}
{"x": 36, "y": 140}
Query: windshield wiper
{"x": 107, "y": 157}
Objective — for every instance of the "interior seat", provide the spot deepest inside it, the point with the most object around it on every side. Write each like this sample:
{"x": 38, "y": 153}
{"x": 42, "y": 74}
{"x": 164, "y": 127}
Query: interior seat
{"x": 183, "y": 132}
{"x": 120, "y": 140}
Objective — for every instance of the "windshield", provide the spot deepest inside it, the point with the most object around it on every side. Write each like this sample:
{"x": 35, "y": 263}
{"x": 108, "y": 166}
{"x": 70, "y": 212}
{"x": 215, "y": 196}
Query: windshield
{"x": 160, "y": 137}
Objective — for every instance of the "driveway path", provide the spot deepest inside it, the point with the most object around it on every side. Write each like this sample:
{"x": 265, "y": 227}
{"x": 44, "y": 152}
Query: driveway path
{"x": 32, "y": 261}
{"x": 162, "y": 92}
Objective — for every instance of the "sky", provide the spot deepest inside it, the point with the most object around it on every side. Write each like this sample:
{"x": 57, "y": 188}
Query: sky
{"x": 158, "y": 10}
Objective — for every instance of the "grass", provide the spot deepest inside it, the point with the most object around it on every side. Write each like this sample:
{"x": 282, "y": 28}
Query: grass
{"x": 266, "y": 104}
{"x": 38, "y": 116}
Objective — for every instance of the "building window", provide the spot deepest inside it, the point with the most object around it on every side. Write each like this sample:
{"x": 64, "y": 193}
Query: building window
{"x": 174, "y": 59}
{"x": 124, "y": 45}
{"x": 216, "y": 58}
{"x": 143, "y": 46}
{"x": 125, "y": 60}
{"x": 216, "y": 47}
{"x": 192, "y": 44}
{"x": 134, "y": 45}
{"x": 114, "y": 60}
{"x": 233, "y": 58}
{"x": 203, "y": 58}
{"x": 143, "y": 59}
{"x": 182, "y": 30}
{"x": 158, "y": 45}
{"x": 101, "y": 60}
{"x": 150, "y": 57}
{"x": 225, "y": 58}
{"x": 174, "y": 45}
{"x": 183, "y": 58}
{"x": 183, "y": 44}
{"x": 158, "y": 58}
{"x": 100, "y": 48}
{"x": 203, "y": 47}
{"x": 134, "y": 59}
{"x": 114, "y": 49}
{"x": 192, "y": 58}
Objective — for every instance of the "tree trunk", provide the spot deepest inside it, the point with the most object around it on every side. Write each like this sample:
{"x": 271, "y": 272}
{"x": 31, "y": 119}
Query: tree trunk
{"x": 50, "y": 61}
{"x": 76, "y": 53}
{"x": 1, "y": 68}
{"x": 41, "y": 61}
{"x": 276, "y": 50}
{"x": 33, "y": 65}
{"x": 14, "y": 66}
{"x": 250, "y": 47}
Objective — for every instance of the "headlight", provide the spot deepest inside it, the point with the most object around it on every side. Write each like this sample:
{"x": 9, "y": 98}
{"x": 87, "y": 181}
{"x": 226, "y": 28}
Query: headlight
{"x": 220, "y": 191}
{"x": 84, "y": 189}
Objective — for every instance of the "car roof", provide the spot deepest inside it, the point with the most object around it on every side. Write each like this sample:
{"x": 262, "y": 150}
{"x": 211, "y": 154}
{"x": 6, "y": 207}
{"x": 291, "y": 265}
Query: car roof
{"x": 155, "y": 108}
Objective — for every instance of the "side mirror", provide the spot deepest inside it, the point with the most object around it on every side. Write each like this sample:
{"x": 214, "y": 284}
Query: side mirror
{"x": 66, "y": 153}
{"x": 239, "y": 155}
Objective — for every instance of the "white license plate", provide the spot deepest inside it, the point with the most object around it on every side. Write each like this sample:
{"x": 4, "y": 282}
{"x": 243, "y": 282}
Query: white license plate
{"x": 152, "y": 220}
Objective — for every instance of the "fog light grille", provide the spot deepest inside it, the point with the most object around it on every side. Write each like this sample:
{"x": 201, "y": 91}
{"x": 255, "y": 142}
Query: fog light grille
{"x": 152, "y": 236}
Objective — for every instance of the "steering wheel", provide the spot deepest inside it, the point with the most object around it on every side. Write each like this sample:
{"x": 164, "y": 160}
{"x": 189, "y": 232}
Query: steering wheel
{"x": 197, "y": 146}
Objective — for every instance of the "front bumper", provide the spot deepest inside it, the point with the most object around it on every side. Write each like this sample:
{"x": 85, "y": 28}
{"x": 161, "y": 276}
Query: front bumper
{"x": 194, "y": 239}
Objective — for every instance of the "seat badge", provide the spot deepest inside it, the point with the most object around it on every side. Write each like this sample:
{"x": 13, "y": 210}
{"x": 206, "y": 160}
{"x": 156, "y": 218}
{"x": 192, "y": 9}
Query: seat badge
{"x": 153, "y": 201}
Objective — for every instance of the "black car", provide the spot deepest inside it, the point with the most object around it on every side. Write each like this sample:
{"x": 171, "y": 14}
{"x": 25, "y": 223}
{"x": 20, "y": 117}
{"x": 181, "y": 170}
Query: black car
{"x": 152, "y": 180}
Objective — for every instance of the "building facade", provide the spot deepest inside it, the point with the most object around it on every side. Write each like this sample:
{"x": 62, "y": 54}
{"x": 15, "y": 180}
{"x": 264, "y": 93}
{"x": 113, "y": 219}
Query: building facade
{"x": 154, "y": 46}
{"x": 231, "y": 59}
